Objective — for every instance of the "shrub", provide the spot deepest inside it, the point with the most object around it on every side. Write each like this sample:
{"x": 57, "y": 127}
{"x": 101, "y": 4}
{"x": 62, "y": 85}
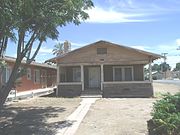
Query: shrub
{"x": 166, "y": 116}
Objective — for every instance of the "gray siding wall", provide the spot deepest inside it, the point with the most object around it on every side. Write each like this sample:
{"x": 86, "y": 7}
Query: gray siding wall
{"x": 69, "y": 90}
{"x": 127, "y": 90}
{"x": 138, "y": 72}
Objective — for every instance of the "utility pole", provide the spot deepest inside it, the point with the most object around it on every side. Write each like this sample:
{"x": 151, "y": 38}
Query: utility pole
{"x": 164, "y": 57}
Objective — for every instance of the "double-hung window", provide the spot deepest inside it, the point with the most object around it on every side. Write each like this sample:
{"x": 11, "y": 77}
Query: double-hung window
{"x": 28, "y": 74}
{"x": 36, "y": 76}
{"x": 6, "y": 74}
{"x": 123, "y": 73}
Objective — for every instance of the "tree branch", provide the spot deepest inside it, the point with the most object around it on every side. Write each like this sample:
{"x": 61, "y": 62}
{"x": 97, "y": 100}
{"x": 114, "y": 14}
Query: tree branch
{"x": 34, "y": 55}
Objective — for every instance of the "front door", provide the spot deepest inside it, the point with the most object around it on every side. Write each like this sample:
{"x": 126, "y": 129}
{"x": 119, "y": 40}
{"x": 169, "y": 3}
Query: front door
{"x": 94, "y": 77}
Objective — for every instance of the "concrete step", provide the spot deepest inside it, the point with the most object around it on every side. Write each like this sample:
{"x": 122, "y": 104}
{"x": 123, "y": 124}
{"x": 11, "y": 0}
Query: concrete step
{"x": 91, "y": 93}
{"x": 90, "y": 96}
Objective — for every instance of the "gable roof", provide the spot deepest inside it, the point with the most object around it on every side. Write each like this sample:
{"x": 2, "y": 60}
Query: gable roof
{"x": 152, "y": 55}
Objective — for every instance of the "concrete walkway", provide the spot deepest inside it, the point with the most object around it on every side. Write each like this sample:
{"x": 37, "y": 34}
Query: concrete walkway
{"x": 29, "y": 93}
{"x": 72, "y": 123}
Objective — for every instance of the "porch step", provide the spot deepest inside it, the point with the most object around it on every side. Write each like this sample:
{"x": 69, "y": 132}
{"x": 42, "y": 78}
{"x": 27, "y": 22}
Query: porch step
{"x": 91, "y": 96}
{"x": 91, "y": 93}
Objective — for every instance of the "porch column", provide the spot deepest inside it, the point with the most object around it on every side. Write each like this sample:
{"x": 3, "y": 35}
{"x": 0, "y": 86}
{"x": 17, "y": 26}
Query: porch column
{"x": 150, "y": 69}
{"x": 102, "y": 76}
{"x": 82, "y": 77}
{"x": 58, "y": 78}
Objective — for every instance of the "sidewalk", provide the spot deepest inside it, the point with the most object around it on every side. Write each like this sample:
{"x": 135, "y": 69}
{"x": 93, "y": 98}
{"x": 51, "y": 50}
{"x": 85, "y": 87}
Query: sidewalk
{"x": 30, "y": 93}
{"x": 73, "y": 121}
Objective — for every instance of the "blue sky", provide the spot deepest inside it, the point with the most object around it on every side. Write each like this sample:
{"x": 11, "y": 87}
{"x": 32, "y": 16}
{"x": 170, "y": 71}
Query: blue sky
{"x": 151, "y": 25}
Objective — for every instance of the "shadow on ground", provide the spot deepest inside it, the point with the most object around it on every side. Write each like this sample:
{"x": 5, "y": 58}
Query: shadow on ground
{"x": 30, "y": 120}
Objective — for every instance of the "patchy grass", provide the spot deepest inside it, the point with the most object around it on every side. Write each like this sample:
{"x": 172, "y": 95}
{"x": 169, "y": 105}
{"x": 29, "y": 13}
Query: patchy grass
{"x": 37, "y": 116}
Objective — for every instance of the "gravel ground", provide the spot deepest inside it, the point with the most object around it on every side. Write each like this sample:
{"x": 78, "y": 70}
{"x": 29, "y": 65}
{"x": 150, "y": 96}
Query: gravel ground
{"x": 122, "y": 116}
{"x": 38, "y": 116}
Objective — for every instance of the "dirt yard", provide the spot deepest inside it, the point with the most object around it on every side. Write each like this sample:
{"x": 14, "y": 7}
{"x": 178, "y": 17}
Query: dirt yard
{"x": 38, "y": 116}
{"x": 123, "y": 116}
{"x": 164, "y": 88}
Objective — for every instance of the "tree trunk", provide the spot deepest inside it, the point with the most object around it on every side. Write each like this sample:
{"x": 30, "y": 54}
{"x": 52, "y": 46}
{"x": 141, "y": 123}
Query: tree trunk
{"x": 4, "y": 91}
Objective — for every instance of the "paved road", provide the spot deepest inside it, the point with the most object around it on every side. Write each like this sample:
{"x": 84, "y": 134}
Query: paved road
{"x": 175, "y": 82}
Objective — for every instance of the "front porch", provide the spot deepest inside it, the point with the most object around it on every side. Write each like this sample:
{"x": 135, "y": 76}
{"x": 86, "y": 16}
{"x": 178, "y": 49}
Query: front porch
{"x": 108, "y": 80}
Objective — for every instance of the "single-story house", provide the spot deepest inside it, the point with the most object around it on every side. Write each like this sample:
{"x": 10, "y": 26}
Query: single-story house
{"x": 108, "y": 68}
{"x": 36, "y": 75}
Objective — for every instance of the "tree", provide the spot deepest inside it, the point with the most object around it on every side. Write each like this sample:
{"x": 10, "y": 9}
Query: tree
{"x": 164, "y": 66}
{"x": 29, "y": 23}
{"x": 177, "y": 68}
{"x": 156, "y": 67}
{"x": 61, "y": 48}
{"x": 58, "y": 49}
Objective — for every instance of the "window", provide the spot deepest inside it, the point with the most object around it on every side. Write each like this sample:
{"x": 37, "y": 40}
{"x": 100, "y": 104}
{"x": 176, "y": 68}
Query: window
{"x": 28, "y": 74}
{"x": 101, "y": 50}
{"x": 43, "y": 76}
{"x": 36, "y": 76}
{"x": 6, "y": 74}
{"x": 76, "y": 74}
{"x": 123, "y": 73}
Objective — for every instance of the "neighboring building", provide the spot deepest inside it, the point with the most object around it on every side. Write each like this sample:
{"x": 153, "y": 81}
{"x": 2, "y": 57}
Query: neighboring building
{"x": 112, "y": 69}
{"x": 36, "y": 75}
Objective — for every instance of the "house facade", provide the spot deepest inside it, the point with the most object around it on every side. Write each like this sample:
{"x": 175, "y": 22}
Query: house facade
{"x": 110, "y": 69}
{"x": 36, "y": 75}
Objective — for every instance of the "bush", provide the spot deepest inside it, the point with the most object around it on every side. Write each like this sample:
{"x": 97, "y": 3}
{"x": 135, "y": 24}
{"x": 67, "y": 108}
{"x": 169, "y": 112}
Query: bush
{"x": 166, "y": 116}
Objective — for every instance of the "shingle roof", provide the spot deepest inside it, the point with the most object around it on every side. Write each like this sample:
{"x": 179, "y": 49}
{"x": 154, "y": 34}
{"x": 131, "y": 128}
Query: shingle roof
{"x": 12, "y": 59}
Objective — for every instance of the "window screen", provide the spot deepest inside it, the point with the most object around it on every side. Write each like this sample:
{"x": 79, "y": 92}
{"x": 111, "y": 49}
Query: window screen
{"x": 118, "y": 74}
{"x": 128, "y": 74}
{"x": 76, "y": 74}
{"x": 101, "y": 50}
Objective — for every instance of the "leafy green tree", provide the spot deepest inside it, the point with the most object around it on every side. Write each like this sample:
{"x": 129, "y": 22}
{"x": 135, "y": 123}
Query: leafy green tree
{"x": 164, "y": 66}
{"x": 156, "y": 67}
{"x": 32, "y": 22}
{"x": 177, "y": 66}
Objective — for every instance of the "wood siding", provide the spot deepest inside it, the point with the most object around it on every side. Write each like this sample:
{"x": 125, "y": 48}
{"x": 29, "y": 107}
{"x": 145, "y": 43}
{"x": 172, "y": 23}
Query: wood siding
{"x": 114, "y": 54}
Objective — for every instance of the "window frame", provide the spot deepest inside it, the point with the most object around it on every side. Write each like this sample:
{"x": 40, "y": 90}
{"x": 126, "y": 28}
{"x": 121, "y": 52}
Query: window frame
{"x": 8, "y": 71}
{"x": 37, "y": 81}
{"x": 43, "y": 76}
{"x": 29, "y": 73}
{"x": 123, "y": 72}
{"x": 101, "y": 52}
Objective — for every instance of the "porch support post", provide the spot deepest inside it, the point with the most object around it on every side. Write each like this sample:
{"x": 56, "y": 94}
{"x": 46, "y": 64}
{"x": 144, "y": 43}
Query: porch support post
{"x": 102, "y": 76}
{"x": 58, "y": 78}
{"x": 150, "y": 69}
{"x": 82, "y": 77}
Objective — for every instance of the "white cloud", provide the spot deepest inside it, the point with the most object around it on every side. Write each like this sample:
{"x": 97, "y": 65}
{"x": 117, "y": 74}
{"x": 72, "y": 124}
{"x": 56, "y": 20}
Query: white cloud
{"x": 178, "y": 42}
{"x": 100, "y": 15}
{"x": 43, "y": 50}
